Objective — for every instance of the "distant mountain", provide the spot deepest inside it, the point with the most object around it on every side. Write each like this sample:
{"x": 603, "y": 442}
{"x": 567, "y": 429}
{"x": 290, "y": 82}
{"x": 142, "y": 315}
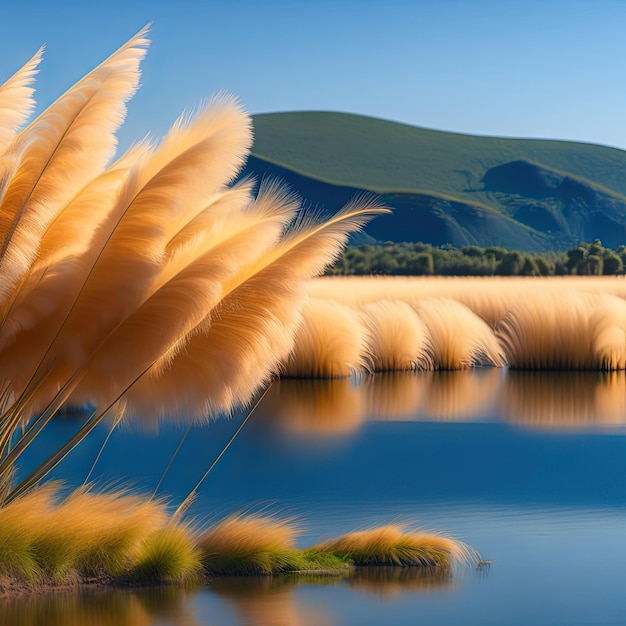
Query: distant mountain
{"x": 443, "y": 187}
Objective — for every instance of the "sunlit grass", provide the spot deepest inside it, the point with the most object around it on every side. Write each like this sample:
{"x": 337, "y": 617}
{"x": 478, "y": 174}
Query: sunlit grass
{"x": 169, "y": 553}
{"x": 573, "y": 331}
{"x": 396, "y": 545}
{"x": 529, "y": 323}
{"x": 331, "y": 342}
{"x": 250, "y": 545}
{"x": 48, "y": 539}
{"x": 398, "y": 338}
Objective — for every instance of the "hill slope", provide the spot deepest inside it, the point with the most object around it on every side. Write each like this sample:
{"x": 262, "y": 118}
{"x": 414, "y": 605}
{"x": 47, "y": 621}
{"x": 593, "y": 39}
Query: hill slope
{"x": 448, "y": 187}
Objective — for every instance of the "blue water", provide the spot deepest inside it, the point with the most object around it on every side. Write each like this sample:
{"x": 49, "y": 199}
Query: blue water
{"x": 528, "y": 469}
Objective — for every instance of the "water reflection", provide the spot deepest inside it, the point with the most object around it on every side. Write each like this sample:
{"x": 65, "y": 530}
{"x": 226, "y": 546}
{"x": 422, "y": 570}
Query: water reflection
{"x": 563, "y": 400}
{"x": 390, "y": 582}
{"x": 330, "y": 407}
{"x": 441, "y": 396}
{"x": 274, "y": 600}
{"x": 270, "y": 600}
{"x": 145, "y": 607}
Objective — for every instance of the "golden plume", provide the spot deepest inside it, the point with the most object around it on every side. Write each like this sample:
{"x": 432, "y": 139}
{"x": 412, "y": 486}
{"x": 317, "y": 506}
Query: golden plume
{"x": 16, "y": 100}
{"x": 60, "y": 152}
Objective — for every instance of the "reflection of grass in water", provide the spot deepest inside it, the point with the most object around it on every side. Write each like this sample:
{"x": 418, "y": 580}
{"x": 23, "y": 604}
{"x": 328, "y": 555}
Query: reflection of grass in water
{"x": 461, "y": 394}
{"x": 261, "y": 601}
{"x": 331, "y": 407}
{"x": 335, "y": 407}
{"x": 394, "y": 395}
{"x": 389, "y": 582}
{"x": 564, "y": 399}
{"x": 265, "y": 600}
{"x": 75, "y": 609}
{"x": 99, "y": 608}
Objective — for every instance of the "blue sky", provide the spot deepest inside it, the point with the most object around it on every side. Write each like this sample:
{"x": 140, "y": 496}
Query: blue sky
{"x": 527, "y": 68}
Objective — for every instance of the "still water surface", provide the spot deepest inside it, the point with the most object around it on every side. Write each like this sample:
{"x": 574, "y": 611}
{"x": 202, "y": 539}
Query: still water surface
{"x": 529, "y": 469}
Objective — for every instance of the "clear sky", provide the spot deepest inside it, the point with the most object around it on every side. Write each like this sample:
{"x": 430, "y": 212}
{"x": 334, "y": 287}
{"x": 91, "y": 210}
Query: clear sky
{"x": 521, "y": 68}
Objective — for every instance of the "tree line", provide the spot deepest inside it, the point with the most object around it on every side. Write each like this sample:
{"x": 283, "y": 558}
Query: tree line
{"x": 422, "y": 259}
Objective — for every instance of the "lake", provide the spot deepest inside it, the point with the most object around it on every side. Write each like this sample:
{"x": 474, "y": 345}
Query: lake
{"x": 526, "y": 467}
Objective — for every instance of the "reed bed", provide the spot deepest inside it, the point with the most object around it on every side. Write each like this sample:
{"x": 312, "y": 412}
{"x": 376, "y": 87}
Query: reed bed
{"x": 460, "y": 339}
{"x": 570, "y": 331}
{"x": 47, "y": 540}
{"x": 452, "y": 323}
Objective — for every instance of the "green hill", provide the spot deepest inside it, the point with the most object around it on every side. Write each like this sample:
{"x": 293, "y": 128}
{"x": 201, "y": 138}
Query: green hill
{"x": 448, "y": 187}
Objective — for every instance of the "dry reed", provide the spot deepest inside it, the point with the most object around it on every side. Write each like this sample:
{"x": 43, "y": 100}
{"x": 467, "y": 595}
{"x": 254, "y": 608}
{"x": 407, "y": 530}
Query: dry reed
{"x": 398, "y": 337}
{"x": 565, "y": 331}
{"x": 330, "y": 342}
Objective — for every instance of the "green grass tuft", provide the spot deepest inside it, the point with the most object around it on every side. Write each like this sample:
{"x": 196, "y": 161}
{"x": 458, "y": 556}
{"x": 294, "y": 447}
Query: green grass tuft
{"x": 169, "y": 553}
{"x": 250, "y": 545}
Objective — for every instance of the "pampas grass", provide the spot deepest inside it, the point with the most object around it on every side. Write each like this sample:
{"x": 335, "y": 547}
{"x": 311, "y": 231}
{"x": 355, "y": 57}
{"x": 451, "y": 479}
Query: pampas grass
{"x": 398, "y": 337}
{"x": 539, "y": 323}
{"x": 565, "y": 331}
{"x": 154, "y": 284}
{"x": 158, "y": 251}
{"x": 330, "y": 342}
{"x": 460, "y": 339}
